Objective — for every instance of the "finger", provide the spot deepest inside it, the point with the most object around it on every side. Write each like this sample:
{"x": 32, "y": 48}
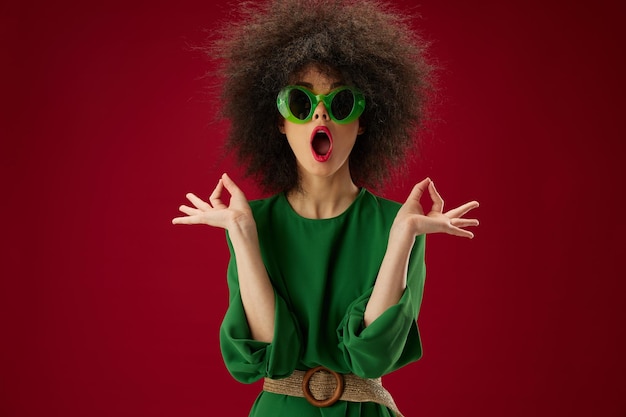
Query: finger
{"x": 198, "y": 202}
{"x": 186, "y": 220}
{"x": 464, "y": 222}
{"x": 418, "y": 190}
{"x": 456, "y": 231}
{"x": 462, "y": 210}
{"x": 231, "y": 187}
{"x": 189, "y": 211}
{"x": 216, "y": 195}
{"x": 437, "y": 200}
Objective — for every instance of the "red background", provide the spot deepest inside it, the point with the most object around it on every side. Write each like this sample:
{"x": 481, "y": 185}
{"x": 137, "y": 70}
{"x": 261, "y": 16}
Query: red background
{"x": 109, "y": 310}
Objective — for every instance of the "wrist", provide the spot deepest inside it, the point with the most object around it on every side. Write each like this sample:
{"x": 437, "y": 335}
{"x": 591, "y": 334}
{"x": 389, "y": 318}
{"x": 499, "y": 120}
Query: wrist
{"x": 401, "y": 237}
{"x": 404, "y": 230}
{"x": 242, "y": 226}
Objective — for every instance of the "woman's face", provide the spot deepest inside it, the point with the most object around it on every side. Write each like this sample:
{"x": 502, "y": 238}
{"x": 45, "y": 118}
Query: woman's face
{"x": 321, "y": 146}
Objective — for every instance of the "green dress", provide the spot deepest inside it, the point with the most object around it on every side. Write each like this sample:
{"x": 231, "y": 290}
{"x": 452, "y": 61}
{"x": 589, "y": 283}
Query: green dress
{"x": 323, "y": 272}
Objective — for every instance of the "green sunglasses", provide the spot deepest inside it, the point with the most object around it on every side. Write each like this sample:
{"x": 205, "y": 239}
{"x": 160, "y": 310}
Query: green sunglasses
{"x": 297, "y": 104}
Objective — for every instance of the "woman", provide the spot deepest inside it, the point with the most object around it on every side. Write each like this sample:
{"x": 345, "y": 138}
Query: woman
{"x": 325, "y": 278}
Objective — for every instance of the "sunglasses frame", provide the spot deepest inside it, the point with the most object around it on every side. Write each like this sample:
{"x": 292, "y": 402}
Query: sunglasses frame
{"x": 282, "y": 101}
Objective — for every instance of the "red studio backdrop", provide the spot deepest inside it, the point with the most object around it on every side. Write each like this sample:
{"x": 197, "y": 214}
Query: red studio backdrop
{"x": 107, "y": 309}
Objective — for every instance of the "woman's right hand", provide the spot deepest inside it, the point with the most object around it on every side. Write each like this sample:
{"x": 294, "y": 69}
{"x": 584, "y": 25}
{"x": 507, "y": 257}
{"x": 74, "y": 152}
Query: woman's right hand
{"x": 255, "y": 288}
{"x": 236, "y": 214}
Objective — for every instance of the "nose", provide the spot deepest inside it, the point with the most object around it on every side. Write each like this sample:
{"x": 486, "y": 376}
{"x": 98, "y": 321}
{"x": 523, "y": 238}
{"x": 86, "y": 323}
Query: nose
{"x": 321, "y": 112}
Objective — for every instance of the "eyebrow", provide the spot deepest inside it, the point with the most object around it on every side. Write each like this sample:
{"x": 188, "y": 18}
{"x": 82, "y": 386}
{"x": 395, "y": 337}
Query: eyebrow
{"x": 310, "y": 86}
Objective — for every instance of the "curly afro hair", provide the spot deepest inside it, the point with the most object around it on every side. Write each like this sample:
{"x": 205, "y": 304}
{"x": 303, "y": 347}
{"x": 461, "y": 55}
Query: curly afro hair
{"x": 367, "y": 42}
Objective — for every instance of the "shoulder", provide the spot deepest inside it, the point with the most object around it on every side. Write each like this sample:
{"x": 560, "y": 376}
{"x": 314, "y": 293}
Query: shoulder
{"x": 262, "y": 203}
{"x": 264, "y": 207}
{"x": 383, "y": 203}
{"x": 387, "y": 207}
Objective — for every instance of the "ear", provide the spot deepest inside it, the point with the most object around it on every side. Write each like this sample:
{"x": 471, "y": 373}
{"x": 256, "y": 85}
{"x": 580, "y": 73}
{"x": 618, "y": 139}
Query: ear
{"x": 361, "y": 129}
{"x": 281, "y": 126}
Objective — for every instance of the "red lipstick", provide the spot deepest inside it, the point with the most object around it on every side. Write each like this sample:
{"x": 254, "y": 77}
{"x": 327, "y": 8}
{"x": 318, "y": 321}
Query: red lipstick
{"x": 321, "y": 143}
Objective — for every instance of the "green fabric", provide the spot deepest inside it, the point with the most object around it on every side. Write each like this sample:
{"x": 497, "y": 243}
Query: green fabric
{"x": 323, "y": 272}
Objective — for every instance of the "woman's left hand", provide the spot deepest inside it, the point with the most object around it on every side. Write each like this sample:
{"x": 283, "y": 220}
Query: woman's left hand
{"x": 412, "y": 220}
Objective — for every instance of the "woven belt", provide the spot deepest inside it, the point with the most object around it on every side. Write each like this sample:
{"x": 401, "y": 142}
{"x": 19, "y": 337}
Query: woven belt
{"x": 322, "y": 387}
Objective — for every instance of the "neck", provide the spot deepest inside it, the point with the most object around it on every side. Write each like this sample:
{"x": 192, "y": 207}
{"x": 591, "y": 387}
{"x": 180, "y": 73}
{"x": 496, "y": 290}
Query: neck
{"x": 323, "y": 197}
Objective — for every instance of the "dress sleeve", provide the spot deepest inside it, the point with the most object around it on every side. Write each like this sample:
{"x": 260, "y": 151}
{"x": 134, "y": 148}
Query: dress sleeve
{"x": 392, "y": 340}
{"x": 249, "y": 360}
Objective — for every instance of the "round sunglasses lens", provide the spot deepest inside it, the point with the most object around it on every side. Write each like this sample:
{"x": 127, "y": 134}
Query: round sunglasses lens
{"x": 299, "y": 104}
{"x": 342, "y": 104}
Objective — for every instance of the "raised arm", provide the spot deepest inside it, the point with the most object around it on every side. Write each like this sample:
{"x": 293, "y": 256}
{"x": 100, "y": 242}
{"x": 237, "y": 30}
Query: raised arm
{"x": 410, "y": 222}
{"x": 257, "y": 294}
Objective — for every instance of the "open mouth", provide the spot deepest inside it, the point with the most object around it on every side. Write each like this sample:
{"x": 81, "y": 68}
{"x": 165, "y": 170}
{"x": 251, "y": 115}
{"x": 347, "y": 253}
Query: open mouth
{"x": 321, "y": 143}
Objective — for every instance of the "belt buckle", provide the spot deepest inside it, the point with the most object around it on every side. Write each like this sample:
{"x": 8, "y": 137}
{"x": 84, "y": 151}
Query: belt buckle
{"x": 306, "y": 389}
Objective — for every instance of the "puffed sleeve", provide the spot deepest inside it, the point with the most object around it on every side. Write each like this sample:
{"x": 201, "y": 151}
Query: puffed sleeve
{"x": 249, "y": 360}
{"x": 393, "y": 339}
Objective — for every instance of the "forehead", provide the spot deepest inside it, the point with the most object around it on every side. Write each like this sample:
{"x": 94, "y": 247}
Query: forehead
{"x": 317, "y": 77}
